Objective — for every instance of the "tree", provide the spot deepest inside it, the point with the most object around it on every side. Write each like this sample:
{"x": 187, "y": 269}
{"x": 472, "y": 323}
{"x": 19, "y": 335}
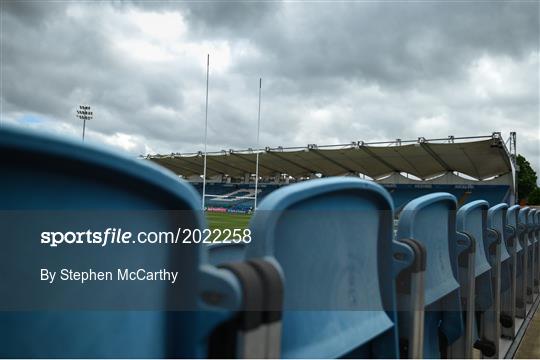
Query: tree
{"x": 534, "y": 197}
{"x": 526, "y": 178}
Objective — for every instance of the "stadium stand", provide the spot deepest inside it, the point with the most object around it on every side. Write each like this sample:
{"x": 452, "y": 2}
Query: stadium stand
{"x": 471, "y": 168}
{"x": 324, "y": 276}
{"x": 233, "y": 197}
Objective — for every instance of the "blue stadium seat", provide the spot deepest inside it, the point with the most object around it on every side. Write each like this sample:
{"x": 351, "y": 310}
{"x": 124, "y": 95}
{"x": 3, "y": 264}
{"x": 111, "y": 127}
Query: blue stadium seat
{"x": 54, "y": 184}
{"x": 430, "y": 219}
{"x": 493, "y": 194}
{"x": 524, "y": 238}
{"x": 537, "y": 234}
{"x": 221, "y": 253}
{"x": 472, "y": 220}
{"x": 497, "y": 220}
{"x": 533, "y": 253}
{"x": 332, "y": 239}
{"x": 512, "y": 218}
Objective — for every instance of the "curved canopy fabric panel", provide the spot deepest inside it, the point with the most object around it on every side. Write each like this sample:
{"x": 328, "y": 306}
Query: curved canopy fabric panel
{"x": 358, "y": 160}
{"x": 479, "y": 159}
{"x": 412, "y": 159}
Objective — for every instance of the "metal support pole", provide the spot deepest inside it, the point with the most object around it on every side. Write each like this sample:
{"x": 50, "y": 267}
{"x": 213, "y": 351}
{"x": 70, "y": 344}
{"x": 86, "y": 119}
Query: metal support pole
{"x": 470, "y": 307}
{"x": 83, "y": 129}
{"x": 521, "y": 301}
{"x": 257, "y": 147}
{"x": 416, "y": 345}
{"x": 490, "y": 319}
{"x": 509, "y": 304}
{"x": 463, "y": 347}
{"x": 205, "y": 131}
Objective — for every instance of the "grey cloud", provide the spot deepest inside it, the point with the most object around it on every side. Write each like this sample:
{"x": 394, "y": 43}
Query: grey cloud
{"x": 32, "y": 13}
{"x": 370, "y": 71}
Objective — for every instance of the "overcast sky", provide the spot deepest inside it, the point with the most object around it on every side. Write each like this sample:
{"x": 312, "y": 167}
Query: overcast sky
{"x": 332, "y": 72}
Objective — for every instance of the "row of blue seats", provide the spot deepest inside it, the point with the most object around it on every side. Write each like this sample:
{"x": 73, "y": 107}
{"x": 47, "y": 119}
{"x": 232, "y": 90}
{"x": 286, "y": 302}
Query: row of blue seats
{"x": 493, "y": 194}
{"x": 481, "y": 269}
{"x": 322, "y": 277}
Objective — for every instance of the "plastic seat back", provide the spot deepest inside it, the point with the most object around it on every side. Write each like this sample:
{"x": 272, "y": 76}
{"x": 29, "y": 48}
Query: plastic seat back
{"x": 512, "y": 220}
{"x": 524, "y": 261}
{"x": 430, "y": 219}
{"x": 533, "y": 241}
{"x": 531, "y": 214}
{"x": 531, "y": 221}
{"x": 472, "y": 219}
{"x": 524, "y": 226}
{"x": 497, "y": 221}
{"x": 333, "y": 241}
{"x": 221, "y": 253}
{"x": 50, "y": 184}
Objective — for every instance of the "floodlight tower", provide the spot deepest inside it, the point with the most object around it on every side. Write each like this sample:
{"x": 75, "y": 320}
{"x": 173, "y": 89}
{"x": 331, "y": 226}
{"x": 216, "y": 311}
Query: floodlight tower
{"x": 84, "y": 113}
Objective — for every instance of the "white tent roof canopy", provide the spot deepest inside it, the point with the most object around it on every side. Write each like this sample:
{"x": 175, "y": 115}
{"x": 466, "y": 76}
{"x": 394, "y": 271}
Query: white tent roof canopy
{"x": 480, "y": 157}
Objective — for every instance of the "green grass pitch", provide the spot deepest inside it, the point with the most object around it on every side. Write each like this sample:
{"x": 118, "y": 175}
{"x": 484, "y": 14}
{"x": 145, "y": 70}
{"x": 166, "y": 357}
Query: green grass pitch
{"x": 227, "y": 220}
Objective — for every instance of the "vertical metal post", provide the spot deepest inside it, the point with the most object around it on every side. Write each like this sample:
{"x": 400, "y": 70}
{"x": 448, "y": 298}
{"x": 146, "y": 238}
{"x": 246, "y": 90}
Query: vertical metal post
{"x": 416, "y": 347}
{"x": 257, "y": 147}
{"x": 205, "y": 131}
{"x": 491, "y": 325}
{"x": 521, "y": 285}
{"x": 83, "y": 129}
{"x": 514, "y": 150}
{"x": 463, "y": 347}
{"x": 470, "y": 307}
{"x": 509, "y": 306}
